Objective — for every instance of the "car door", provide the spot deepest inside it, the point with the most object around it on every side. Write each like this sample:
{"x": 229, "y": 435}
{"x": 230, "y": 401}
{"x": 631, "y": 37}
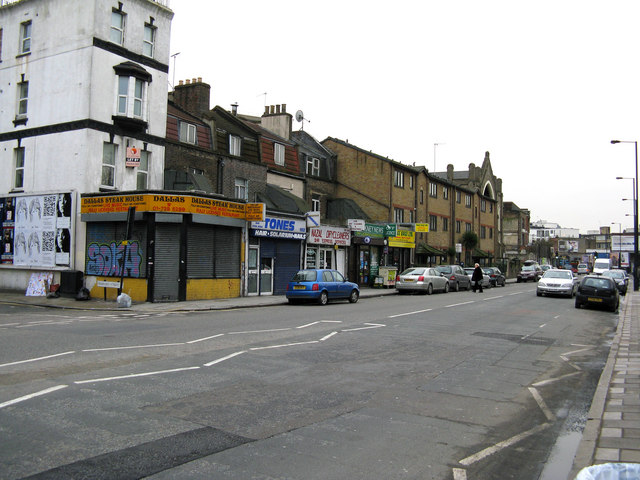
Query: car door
{"x": 342, "y": 287}
{"x": 329, "y": 283}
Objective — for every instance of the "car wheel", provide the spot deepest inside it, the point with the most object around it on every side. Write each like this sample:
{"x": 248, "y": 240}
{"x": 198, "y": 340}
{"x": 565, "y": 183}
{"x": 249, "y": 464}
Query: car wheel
{"x": 446, "y": 287}
{"x": 429, "y": 289}
{"x": 577, "y": 303}
{"x": 324, "y": 298}
{"x": 539, "y": 294}
{"x": 353, "y": 298}
{"x": 518, "y": 280}
{"x": 456, "y": 287}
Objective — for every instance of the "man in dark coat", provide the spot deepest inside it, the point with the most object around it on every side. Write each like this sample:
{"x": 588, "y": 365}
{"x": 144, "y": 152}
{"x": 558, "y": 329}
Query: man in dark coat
{"x": 477, "y": 277}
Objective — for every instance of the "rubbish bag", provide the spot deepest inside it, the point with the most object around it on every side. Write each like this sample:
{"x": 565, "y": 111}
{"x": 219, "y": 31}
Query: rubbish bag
{"x": 124, "y": 300}
{"x": 83, "y": 294}
{"x": 610, "y": 471}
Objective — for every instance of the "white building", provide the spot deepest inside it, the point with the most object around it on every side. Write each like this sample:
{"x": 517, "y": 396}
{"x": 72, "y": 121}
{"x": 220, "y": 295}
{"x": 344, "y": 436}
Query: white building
{"x": 543, "y": 230}
{"x": 82, "y": 83}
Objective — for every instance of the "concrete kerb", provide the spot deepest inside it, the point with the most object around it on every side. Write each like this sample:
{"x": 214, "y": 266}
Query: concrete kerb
{"x": 586, "y": 450}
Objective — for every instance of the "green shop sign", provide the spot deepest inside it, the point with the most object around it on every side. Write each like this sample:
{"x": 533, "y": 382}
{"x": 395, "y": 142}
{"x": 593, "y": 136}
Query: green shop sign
{"x": 371, "y": 230}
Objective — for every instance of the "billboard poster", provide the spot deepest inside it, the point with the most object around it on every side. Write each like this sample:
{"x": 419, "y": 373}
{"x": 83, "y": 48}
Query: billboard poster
{"x": 36, "y": 230}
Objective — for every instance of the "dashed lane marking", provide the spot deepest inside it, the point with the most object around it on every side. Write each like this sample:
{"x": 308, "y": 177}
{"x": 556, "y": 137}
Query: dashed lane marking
{"x": 32, "y": 395}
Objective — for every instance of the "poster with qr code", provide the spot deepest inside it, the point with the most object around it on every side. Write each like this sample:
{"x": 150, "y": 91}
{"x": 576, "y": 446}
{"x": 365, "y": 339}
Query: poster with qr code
{"x": 42, "y": 230}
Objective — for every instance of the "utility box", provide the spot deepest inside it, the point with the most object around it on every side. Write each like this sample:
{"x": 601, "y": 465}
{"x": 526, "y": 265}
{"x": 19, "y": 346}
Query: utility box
{"x": 388, "y": 275}
{"x": 70, "y": 282}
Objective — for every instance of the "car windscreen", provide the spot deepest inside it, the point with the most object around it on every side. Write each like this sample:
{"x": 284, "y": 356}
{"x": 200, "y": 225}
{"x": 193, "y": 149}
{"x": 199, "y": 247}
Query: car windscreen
{"x": 597, "y": 282}
{"x": 443, "y": 269}
{"x": 528, "y": 268}
{"x": 305, "y": 276}
{"x": 551, "y": 274}
{"x": 613, "y": 274}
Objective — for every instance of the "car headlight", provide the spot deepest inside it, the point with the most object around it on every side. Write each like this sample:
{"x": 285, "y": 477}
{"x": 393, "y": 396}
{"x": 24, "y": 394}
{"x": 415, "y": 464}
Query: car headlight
{"x": 542, "y": 283}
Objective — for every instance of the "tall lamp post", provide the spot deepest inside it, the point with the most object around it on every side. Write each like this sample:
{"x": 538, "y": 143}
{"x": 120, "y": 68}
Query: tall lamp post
{"x": 635, "y": 217}
{"x": 619, "y": 242}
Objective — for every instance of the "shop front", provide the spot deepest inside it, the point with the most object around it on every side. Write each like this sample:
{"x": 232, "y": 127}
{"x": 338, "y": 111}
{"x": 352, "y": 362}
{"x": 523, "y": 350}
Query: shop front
{"x": 327, "y": 248}
{"x": 275, "y": 253}
{"x": 181, "y": 247}
{"x": 368, "y": 246}
{"x": 401, "y": 243}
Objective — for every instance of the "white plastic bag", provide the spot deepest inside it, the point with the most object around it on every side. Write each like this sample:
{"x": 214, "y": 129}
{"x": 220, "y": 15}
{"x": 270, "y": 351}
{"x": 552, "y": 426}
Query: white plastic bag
{"x": 124, "y": 300}
{"x": 610, "y": 471}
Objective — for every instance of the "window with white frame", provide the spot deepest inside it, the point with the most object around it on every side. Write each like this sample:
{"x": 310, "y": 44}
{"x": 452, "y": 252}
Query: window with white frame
{"x": 131, "y": 99}
{"x": 315, "y": 204}
{"x": 421, "y": 196}
{"x": 399, "y": 179}
{"x": 398, "y": 215}
{"x": 483, "y": 231}
{"x": 313, "y": 166}
{"x": 235, "y": 145}
{"x": 148, "y": 40}
{"x": 467, "y": 200}
{"x": 108, "y": 165}
{"x": 411, "y": 182}
{"x": 445, "y": 224}
{"x": 117, "y": 27}
{"x": 278, "y": 153}
{"x": 187, "y": 132}
{"x": 458, "y": 224}
{"x": 445, "y": 193}
{"x": 23, "y": 99}
{"x": 412, "y": 216}
{"x": 467, "y": 227}
{"x": 433, "y": 190}
{"x": 142, "y": 171}
{"x": 483, "y": 205}
{"x": 19, "y": 167}
{"x": 25, "y": 37}
{"x": 433, "y": 223}
{"x": 241, "y": 190}
{"x": 458, "y": 197}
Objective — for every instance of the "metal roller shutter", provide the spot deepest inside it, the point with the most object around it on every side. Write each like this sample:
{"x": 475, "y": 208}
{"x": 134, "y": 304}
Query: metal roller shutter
{"x": 167, "y": 258}
{"x": 227, "y": 252}
{"x": 200, "y": 251}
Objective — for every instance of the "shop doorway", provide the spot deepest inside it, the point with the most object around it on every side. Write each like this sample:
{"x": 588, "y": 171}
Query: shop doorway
{"x": 266, "y": 276}
{"x": 252, "y": 270}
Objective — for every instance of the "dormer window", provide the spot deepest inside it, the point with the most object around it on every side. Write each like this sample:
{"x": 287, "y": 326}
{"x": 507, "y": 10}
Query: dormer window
{"x": 187, "y": 132}
{"x": 278, "y": 154}
{"x": 235, "y": 145}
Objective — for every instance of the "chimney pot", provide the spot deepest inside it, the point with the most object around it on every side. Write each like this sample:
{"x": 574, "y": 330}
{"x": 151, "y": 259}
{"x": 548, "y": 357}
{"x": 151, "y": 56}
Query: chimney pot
{"x": 266, "y": 110}
{"x": 284, "y": 108}
{"x": 193, "y": 80}
{"x": 199, "y": 79}
{"x": 272, "y": 109}
{"x": 180, "y": 82}
{"x": 277, "y": 108}
{"x": 187, "y": 82}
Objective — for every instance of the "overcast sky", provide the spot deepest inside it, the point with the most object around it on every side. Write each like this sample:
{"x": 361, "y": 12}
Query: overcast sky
{"x": 544, "y": 86}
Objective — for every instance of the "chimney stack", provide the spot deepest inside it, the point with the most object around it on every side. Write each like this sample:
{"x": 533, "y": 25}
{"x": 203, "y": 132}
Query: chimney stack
{"x": 193, "y": 95}
{"x": 277, "y": 120}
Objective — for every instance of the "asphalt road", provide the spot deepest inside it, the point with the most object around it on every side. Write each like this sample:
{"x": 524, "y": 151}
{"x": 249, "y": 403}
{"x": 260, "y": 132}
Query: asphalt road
{"x": 457, "y": 385}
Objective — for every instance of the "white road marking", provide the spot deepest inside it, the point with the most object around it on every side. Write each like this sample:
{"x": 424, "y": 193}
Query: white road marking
{"x": 575, "y": 351}
{"x": 552, "y": 380}
{"x": 515, "y": 293}
{"x": 326, "y": 337}
{"x": 133, "y": 375}
{"x": 205, "y": 338}
{"x": 32, "y": 395}
{"x": 260, "y": 331}
{"x": 370, "y": 325}
{"x": 502, "y": 445}
{"x": 283, "y": 345}
{"x": 459, "y": 474}
{"x": 37, "y": 359}
{"x": 321, "y": 321}
{"x": 492, "y": 298}
{"x": 541, "y": 403}
{"x": 458, "y": 304}
{"x": 224, "y": 358}
{"x": 132, "y": 347}
{"x": 543, "y": 325}
{"x": 9, "y": 324}
{"x": 410, "y": 313}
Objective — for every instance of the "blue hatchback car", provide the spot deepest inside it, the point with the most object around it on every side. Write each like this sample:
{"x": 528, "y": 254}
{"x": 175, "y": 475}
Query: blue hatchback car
{"x": 321, "y": 285}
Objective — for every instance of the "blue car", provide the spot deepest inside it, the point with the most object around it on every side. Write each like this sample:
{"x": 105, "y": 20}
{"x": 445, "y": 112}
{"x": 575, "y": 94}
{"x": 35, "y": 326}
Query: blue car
{"x": 321, "y": 285}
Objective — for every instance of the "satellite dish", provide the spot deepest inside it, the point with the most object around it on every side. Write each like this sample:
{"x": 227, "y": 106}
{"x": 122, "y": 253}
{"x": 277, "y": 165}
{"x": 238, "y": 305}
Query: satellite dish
{"x": 299, "y": 116}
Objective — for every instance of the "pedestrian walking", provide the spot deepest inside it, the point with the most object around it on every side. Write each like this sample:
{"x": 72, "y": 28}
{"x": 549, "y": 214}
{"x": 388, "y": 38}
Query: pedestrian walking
{"x": 477, "y": 277}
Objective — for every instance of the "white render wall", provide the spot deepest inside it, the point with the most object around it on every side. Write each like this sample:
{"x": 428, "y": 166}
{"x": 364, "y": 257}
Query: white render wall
{"x": 71, "y": 80}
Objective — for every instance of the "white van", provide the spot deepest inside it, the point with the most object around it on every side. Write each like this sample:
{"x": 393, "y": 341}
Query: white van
{"x": 600, "y": 265}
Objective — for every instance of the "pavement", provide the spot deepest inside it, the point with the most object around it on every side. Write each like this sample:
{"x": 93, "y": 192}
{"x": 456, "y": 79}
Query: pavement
{"x": 612, "y": 431}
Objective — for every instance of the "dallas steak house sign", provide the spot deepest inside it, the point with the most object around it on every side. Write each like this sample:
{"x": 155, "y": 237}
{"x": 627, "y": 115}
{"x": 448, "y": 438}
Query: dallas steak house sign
{"x": 325, "y": 235}
{"x": 148, "y": 202}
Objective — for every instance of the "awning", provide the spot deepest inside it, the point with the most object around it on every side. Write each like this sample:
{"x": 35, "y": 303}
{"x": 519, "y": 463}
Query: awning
{"x": 477, "y": 253}
{"x": 424, "y": 249}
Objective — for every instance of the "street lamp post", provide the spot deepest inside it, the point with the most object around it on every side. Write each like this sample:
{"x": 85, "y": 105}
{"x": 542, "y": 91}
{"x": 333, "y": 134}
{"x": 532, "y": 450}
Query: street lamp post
{"x": 635, "y": 217}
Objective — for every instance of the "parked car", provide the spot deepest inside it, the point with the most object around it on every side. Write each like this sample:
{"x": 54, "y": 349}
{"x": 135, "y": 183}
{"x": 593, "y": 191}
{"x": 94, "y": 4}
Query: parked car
{"x": 486, "y": 279}
{"x": 421, "y": 279}
{"x": 321, "y": 285}
{"x": 583, "y": 269}
{"x": 529, "y": 272}
{"x": 545, "y": 267}
{"x": 456, "y": 275}
{"x": 496, "y": 276}
{"x": 597, "y": 290}
{"x": 621, "y": 279}
{"x": 557, "y": 282}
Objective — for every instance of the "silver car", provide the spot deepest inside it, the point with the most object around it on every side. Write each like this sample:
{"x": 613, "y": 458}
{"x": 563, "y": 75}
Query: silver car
{"x": 421, "y": 279}
{"x": 557, "y": 282}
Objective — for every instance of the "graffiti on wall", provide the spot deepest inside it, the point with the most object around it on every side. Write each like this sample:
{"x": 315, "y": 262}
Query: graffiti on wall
{"x": 106, "y": 259}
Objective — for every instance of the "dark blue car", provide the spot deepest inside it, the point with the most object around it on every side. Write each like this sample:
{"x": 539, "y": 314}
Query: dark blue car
{"x": 321, "y": 285}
